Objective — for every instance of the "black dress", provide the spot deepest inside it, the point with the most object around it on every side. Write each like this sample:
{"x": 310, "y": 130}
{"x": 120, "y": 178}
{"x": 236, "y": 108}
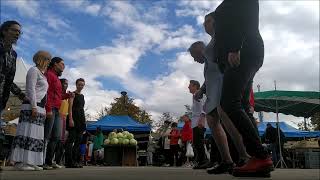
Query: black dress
{"x": 78, "y": 114}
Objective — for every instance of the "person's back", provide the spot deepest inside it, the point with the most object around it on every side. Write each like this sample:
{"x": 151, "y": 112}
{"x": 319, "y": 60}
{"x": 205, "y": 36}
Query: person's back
{"x": 98, "y": 141}
{"x": 186, "y": 131}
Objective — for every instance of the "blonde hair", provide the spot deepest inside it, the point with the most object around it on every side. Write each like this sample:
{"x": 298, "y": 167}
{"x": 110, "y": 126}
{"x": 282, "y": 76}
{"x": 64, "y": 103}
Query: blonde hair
{"x": 42, "y": 59}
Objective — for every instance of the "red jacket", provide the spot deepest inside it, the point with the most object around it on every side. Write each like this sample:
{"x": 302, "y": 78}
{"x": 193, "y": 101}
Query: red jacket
{"x": 251, "y": 100}
{"x": 174, "y": 136}
{"x": 186, "y": 132}
{"x": 54, "y": 95}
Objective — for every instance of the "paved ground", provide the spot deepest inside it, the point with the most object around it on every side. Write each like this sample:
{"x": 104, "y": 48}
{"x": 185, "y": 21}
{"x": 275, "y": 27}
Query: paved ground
{"x": 146, "y": 173}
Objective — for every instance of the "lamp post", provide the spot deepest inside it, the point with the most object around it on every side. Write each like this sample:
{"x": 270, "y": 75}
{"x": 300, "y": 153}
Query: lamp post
{"x": 124, "y": 95}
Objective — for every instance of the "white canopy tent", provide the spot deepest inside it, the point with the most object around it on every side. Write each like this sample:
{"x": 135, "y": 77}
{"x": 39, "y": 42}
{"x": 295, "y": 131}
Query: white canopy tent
{"x": 13, "y": 104}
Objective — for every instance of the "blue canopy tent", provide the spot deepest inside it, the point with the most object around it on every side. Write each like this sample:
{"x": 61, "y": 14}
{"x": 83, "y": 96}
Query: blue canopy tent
{"x": 109, "y": 123}
{"x": 289, "y": 131}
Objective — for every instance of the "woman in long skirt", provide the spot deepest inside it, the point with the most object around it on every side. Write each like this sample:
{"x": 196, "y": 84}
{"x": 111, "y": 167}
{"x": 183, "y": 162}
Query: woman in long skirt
{"x": 28, "y": 144}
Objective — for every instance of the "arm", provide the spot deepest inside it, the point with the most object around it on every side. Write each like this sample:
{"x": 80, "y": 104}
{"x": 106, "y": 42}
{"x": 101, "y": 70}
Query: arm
{"x": 71, "y": 123}
{"x": 233, "y": 18}
{"x": 66, "y": 96}
{"x": 203, "y": 88}
{"x": 17, "y": 91}
{"x": 31, "y": 82}
{"x": 199, "y": 94}
{"x": 50, "y": 93}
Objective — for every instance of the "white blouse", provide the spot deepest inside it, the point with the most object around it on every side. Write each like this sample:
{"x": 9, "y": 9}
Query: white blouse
{"x": 36, "y": 86}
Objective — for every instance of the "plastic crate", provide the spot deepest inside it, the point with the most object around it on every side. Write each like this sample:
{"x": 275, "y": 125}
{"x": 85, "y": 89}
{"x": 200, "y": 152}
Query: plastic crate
{"x": 312, "y": 160}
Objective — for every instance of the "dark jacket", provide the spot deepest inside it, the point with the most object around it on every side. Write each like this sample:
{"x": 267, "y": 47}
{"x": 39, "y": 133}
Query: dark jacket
{"x": 236, "y": 28}
{"x": 7, "y": 72}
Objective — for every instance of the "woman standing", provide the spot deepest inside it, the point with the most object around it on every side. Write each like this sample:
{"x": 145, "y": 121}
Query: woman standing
{"x": 77, "y": 125}
{"x": 28, "y": 144}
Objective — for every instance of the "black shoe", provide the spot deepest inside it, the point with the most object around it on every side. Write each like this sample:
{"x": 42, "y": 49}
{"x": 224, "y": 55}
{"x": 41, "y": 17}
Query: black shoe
{"x": 70, "y": 166}
{"x": 241, "y": 162}
{"x": 78, "y": 165}
{"x": 203, "y": 165}
{"x": 221, "y": 168}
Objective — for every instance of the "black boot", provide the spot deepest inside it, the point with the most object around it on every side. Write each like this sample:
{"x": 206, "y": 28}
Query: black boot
{"x": 221, "y": 168}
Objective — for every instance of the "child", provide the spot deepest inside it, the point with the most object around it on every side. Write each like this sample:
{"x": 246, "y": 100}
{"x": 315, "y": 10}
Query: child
{"x": 174, "y": 146}
{"x": 186, "y": 137}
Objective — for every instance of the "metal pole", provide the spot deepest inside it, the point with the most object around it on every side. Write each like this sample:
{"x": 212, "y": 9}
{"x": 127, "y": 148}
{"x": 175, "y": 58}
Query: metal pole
{"x": 305, "y": 123}
{"x": 278, "y": 127}
{"x": 260, "y": 114}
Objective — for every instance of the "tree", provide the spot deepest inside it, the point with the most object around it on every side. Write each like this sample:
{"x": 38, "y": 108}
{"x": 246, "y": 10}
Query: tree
{"x": 125, "y": 106}
{"x": 315, "y": 121}
{"x": 302, "y": 127}
{"x": 164, "y": 117}
{"x": 102, "y": 113}
{"x": 188, "y": 111}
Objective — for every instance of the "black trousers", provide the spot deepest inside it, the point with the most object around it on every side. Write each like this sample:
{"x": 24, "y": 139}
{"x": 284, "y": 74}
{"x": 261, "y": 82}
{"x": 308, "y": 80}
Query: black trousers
{"x": 198, "y": 144}
{"x": 174, "y": 155}
{"x": 72, "y": 148}
{"x": 167, "y": 156}
{"x": 235, "y": 81}
{"x": 245, "y": 101}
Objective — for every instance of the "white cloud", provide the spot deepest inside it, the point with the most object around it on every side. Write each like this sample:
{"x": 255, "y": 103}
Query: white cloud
{"x": 182, "y": 38}
{"x": 56, "y": 23}
{"x": 82, "y": 6}
{"x": 28, "y": 8}
{"x": 290, "y": 31}
{"x": 106, "y": 61}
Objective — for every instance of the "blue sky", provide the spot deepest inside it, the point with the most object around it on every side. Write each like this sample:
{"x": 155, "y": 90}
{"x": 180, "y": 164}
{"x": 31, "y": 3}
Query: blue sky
{"x": 141, "y": 46}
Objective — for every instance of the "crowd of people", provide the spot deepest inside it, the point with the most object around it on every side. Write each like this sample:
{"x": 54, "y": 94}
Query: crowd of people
{"x": 51, "y": 119}
{"x": 231, "y": 60}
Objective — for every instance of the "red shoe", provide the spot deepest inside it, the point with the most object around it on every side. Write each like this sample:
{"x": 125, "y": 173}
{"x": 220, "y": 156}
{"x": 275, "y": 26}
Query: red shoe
{"x": 254, "y": 167}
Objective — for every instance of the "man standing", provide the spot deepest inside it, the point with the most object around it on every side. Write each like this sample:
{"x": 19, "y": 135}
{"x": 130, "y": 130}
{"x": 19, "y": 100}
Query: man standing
{"x": 166, "y": 141}
{"x": 52, "y": 131}
{"x": 10, "y": 32}
{"x": 198, "y": 125}
{"x": 239, "y": 51}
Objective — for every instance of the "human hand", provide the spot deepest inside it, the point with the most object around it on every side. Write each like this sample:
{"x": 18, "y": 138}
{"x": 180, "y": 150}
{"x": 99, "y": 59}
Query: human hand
{"x": 49, "y": 115}
{"x": 71, "y": 123}
{"x": 198, "y": 95}
{"x": 34, "y": 112}
{"x": 234, "y": 59}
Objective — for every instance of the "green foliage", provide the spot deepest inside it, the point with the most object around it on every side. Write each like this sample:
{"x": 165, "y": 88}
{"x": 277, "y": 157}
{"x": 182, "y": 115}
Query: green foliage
{"x": 125, "y": 106}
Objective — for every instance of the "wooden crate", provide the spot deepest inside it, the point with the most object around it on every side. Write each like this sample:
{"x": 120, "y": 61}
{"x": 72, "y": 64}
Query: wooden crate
{"x": 113, "y": 155}
{"x": 129, "y": 157}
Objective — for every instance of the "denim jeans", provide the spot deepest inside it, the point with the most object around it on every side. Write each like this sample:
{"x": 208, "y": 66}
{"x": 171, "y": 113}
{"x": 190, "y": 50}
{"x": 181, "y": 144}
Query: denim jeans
{"x": 52, "y": 134}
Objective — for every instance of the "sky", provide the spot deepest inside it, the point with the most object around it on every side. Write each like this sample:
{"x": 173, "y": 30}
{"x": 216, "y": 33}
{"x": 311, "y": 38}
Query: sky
{"x": 140, "y": 46}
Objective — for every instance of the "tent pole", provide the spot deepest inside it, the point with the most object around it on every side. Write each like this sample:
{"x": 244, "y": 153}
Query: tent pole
{"x": 260, "y": 113}
{"x": 281, "y": 161}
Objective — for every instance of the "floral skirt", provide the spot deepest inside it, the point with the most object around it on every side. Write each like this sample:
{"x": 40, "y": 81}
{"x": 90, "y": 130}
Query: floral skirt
{"x": 28, "y": 144}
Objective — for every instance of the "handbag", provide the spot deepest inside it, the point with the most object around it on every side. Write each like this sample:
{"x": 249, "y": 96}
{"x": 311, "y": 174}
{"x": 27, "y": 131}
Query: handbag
{"x": 189, "y": 152}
